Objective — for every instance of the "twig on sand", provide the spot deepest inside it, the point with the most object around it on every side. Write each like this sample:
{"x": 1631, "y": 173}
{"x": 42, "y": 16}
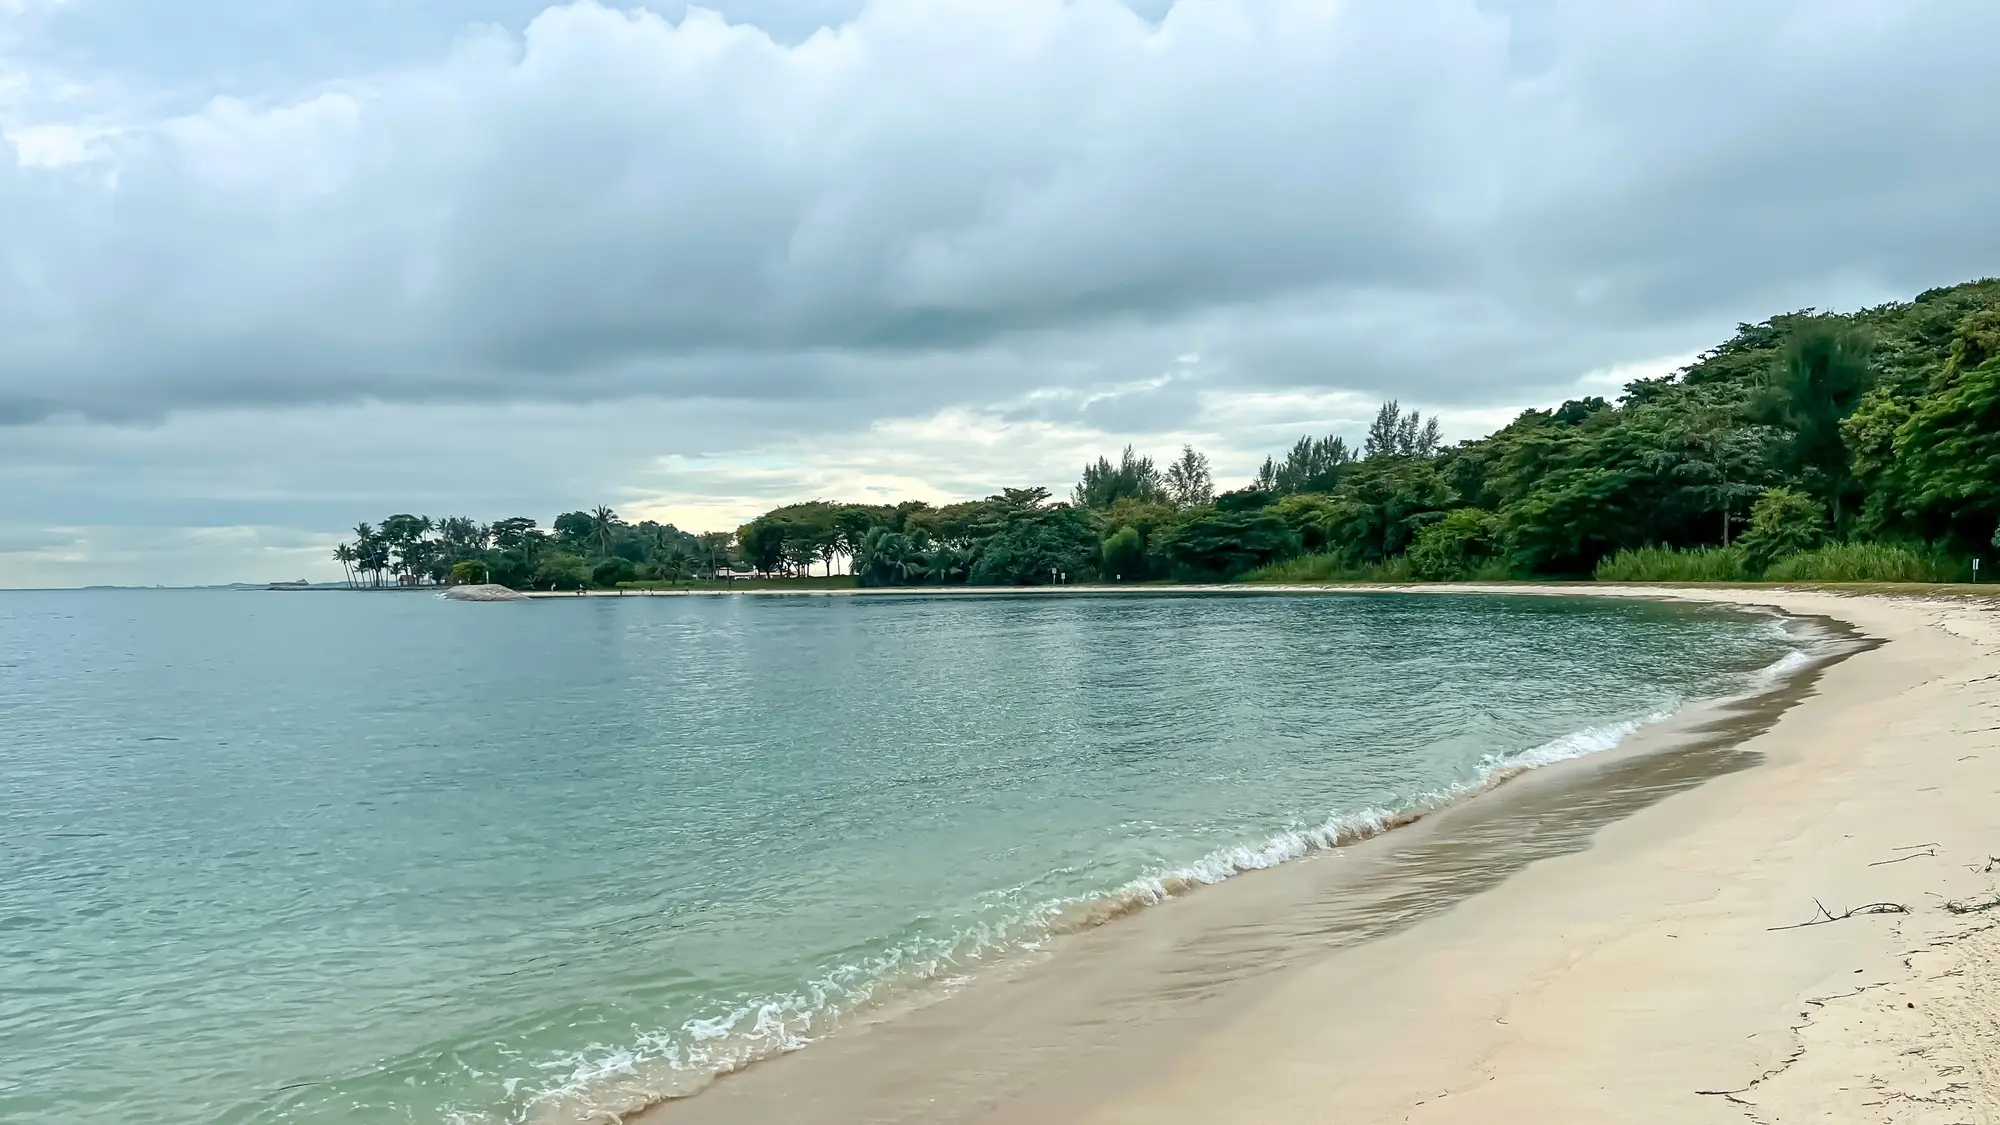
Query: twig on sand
{"x": 1826, "y": 915}
{"x": 1931, "y": 854}
{"x": 1973, "y": 905}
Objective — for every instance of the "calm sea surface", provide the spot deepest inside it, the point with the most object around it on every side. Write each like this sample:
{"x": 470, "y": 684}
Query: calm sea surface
{"x": 347, "y": 857}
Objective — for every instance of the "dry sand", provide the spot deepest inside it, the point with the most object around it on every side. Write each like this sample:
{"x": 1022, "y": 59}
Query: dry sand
{"x": 1601, "y": 945}
{"x": 1643, "y": 979}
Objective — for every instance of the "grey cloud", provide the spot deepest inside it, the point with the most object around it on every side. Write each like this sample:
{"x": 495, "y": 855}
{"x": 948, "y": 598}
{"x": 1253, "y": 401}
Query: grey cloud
{"x": 611, "y": 203}
{"x": 411, "y": 264}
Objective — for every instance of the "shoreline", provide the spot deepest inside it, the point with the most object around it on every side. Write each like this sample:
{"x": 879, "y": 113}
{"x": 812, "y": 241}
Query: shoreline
{"x": 1710, "y": 726}
{"x": 1716, "y": 593}
{"x": 947, "y": 1053}
{"x": 1679, "y": 968}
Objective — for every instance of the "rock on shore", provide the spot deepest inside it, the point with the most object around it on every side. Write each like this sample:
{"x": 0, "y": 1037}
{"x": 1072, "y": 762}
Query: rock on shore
{"x": 484, "y": 592}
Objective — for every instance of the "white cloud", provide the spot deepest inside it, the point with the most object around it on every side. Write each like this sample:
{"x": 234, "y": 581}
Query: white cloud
{"x": 59, "y": 146}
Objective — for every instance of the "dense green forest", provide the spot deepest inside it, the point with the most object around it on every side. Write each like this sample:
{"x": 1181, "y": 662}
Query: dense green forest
{"x": 1812, "y": 445}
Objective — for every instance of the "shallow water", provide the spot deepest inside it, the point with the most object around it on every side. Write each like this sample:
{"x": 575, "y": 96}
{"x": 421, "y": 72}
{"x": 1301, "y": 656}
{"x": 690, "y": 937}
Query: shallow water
{"x": 312, "y": 857}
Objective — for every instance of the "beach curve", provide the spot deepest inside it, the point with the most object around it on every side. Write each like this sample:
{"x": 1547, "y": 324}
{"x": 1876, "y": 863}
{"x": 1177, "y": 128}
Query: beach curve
{"x": 1637, "y": 976}
{"x": 1651, "y": 976}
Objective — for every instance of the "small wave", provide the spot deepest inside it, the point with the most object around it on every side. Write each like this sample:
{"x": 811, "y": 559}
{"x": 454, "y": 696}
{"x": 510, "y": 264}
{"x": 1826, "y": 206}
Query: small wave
{"x": 1581, "y": 744}
{"x": 608, "y": 1082}
{"x": 1784, "y": 667}
{"x": 605, "y": 1081}
{"x": 1345, "y": 829}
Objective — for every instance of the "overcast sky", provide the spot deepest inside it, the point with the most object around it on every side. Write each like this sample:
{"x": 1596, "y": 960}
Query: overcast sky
{"x": 272, "y": 267}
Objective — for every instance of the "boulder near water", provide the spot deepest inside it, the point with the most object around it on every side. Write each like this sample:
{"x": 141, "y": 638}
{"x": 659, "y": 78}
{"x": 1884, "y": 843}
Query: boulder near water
{"x": 484, "y": 592}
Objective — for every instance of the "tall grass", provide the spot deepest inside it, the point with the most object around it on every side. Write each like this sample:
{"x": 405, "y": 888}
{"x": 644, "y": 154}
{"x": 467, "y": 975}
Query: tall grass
{"x": 1837, "y": 562}
{"x": 1333, "y": 568}
{"x": 1666, "y": 564}
{"x": 1330, "y": 568}
{"x": 1867, "y": 562}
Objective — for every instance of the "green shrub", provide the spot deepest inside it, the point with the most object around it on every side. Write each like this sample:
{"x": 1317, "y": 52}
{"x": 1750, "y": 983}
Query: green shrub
{"x": 614, "y": 570}
{"x": 558, "y": 571}
{"x": 1667, "y": 564}
{"x": 1784, "y": 521}
{"x": 1124, "y": 555}
{"x": 1228, "y": 538}
{"x": 1453, "y": 547}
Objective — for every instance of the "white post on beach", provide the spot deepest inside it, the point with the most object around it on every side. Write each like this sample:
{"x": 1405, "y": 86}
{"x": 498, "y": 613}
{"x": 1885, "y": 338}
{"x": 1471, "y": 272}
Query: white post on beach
{"x": 1975, "y": 569}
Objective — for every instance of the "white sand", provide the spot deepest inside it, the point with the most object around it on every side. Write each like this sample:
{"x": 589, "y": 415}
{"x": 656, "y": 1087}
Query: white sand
{"x": 1642, "y": 979}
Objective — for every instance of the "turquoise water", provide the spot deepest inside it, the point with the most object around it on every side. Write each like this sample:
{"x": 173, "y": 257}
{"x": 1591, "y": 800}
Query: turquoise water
{"x": 319, "y": 857}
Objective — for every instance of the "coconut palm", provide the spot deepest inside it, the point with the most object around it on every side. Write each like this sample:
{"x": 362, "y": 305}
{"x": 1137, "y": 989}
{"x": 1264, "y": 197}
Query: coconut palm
{"x": 676, "y": 566}
{"x": 949, "y": 566}
{"x": 371, "y": 552}
{"x": 890, "y": 558}
{"x": 407, "y": 537}
{"x": 604, "y": 527}
{"x": 344, "y": 555}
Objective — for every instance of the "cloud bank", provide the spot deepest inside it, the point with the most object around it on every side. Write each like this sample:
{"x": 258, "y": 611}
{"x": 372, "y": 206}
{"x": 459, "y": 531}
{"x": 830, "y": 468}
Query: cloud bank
{"x": 667, "y": 254}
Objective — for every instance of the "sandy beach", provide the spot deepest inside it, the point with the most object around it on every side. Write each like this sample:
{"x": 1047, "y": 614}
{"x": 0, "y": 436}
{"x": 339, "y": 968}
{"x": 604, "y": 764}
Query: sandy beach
{"x": 1782, "y": 913}
{"x": 1645, "y": 978}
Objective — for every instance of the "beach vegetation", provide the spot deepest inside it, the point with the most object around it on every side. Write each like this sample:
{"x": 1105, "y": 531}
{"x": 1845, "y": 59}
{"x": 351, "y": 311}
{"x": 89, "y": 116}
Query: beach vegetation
{"x": 1868, "y": 562}
{"x": 1124, "y": 555}
{"x": 1330, "y": 567}
{"x": 1675, "y": 564}
{"x": 609, "y": 572}
{"x": 1784, "y": 521}
{"x": 1455, "y": 547}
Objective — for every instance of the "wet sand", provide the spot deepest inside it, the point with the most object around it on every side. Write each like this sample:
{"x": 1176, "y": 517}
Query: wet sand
{"x": 1590, "y": 942}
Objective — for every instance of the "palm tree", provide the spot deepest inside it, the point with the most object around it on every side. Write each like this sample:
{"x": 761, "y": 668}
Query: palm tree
{"x": 414, "y": 550}
{"x": 371, "y": 552}
{"x": 676, "y": 567}
{"x": 948, "y": 565}
{"x": 462, "y": 536}
{"x": 344, "y": 555}
{"x": 603, "y": 529}
{"x": 659, "y": 540}
{"x": 890, "y": 558}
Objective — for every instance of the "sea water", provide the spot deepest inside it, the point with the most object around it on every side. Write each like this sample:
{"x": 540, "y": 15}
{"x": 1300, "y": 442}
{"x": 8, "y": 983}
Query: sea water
{"x": 366, "y": 857}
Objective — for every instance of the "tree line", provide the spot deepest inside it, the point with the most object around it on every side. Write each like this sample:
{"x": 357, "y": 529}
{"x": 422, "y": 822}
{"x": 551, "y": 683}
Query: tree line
{"x": 1806, "y": 432}
{"x": 580, "y": 550}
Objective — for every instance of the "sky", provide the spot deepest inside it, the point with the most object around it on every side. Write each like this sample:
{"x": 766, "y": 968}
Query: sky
{"x": 269, "y": 268}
